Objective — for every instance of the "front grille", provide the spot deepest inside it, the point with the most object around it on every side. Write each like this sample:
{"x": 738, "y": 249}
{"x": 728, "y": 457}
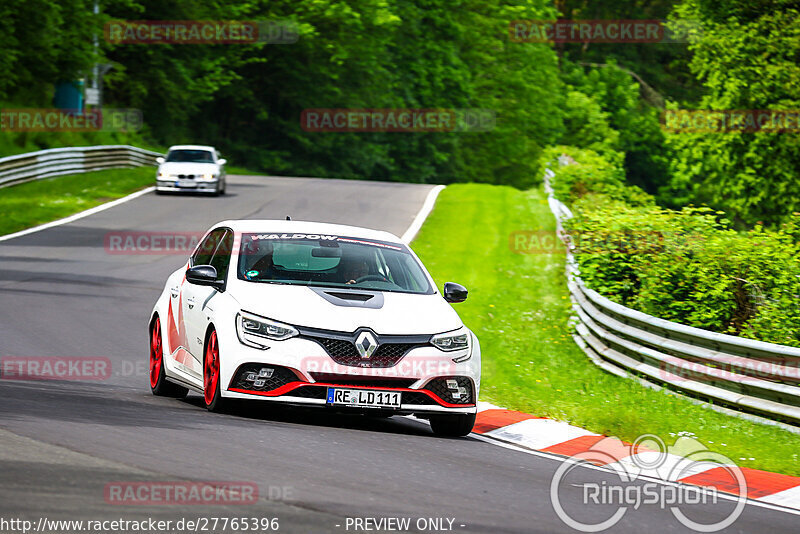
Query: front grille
{"x": 343, "y": 352}
{"x": 439, "y": 387}
{"x": 363, "y": 381}
{"x": 246, "y": 375}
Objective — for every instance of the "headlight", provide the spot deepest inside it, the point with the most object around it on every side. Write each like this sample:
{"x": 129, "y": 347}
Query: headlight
{"x": 162, "y": 174}
{"x": 209, "y": 176}
{"x": 451, "y": 341}
{"x": 254, "y": 331}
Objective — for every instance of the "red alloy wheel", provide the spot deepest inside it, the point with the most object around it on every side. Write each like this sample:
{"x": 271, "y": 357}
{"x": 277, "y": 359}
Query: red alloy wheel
{"x": 211, "y": 369}
{"x": 156, "y": 353}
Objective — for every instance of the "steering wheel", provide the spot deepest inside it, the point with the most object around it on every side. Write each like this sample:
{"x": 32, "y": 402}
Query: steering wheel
{"x": 370, "y": 277}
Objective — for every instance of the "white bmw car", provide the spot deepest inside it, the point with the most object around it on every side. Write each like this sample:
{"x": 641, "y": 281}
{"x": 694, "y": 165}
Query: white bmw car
{"x": 194, "y": 168}
{"x": 318, "y": 315}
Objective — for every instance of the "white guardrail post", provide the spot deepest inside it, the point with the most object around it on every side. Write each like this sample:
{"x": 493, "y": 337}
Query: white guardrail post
{"x": 751, "y": 375}
{"x": 58, "y": 161}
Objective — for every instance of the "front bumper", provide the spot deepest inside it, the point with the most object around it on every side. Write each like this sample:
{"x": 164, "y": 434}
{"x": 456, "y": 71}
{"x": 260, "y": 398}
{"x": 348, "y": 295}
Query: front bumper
{"x": 287, "y": 385}
{"x": 308, "y": 369}
{"x": 204, "y": 186}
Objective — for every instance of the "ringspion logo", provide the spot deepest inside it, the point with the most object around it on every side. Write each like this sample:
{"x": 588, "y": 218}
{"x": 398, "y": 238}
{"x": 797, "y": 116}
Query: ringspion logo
{"x": 681, "y": 486}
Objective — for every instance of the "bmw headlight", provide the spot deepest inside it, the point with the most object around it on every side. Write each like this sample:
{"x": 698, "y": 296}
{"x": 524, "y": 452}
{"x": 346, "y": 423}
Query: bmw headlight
{"x": 452, "y": 341}
{"x": 256, "y": 331}
{"x": 209, "y": 176}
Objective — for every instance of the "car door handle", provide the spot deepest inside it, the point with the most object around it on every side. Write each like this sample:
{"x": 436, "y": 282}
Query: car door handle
{"x": 190, "y": 302}
{"x": 174, "y": 292}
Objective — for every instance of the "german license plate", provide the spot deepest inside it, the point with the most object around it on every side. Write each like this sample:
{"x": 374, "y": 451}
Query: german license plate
{"x": 186, "y": 183}
{"x": 361, "y": 398}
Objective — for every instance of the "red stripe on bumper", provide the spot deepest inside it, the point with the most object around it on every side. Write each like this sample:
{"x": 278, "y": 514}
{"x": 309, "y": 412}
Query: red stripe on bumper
{"x": 291, "y": 386}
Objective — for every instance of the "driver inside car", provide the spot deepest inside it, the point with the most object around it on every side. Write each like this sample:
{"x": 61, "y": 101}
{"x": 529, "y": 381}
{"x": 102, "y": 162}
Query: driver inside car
{"x": 263, "y": 267}
{"x": 353, "y": 270}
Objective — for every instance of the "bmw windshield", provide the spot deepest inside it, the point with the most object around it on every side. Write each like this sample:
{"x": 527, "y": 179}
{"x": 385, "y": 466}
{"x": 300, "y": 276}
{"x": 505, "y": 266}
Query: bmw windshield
{"x": 190, "y": 156}
{"x": 330, "y": 261}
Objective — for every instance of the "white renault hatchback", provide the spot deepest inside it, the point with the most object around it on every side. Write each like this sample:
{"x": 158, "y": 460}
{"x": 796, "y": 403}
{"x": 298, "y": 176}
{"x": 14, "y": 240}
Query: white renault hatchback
{"x": 193, "y": 168}
{"x": 318, "y": 315}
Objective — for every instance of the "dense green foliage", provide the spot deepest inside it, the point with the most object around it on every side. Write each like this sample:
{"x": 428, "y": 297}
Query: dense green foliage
{"x": 247, "y": 99}
{"x": 608, "y": 97}
{"x": 687, "y": 266}
{"x": 747, "y": 59}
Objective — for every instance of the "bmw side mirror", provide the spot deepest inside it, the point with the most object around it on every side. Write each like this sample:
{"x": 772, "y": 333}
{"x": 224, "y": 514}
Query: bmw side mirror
{"x": 222, "y": 161}
{"x": 454, "y": 292}
{"x": 160, "y": 160}
{"x": 204, "y": 275}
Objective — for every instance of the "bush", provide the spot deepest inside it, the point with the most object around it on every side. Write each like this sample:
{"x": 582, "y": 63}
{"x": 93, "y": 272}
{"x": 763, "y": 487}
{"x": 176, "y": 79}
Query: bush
{"x": 687, "y": 266}
{"x": 595, "y": 174}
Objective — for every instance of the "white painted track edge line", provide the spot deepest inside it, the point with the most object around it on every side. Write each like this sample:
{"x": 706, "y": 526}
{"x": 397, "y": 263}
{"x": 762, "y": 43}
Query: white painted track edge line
{"x": 423, "y": 213}
{"x": 79, "y": 215}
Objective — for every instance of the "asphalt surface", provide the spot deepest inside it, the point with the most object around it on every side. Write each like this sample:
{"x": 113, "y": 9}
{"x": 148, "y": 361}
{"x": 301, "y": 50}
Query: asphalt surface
{"x": 62, "y": 442}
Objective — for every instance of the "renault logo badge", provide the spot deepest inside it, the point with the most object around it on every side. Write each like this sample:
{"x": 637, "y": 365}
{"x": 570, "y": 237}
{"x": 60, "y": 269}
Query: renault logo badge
{"x": 366, "y": 344}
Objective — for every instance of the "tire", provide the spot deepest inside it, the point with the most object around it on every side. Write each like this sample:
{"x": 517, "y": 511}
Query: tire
{"x": 159, "y": 384}
{"x": 222, "y": 191}
{"x": 453, "y": 426}
{"x": 211, "y": 390}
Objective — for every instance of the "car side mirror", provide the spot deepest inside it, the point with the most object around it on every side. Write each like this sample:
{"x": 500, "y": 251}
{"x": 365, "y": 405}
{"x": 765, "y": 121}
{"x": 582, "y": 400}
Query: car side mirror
{"x": 222, "y": 161}
{"x": 454, "y": 292}
{"x": 204, "y": 275}
{"x": 160, "y": 160}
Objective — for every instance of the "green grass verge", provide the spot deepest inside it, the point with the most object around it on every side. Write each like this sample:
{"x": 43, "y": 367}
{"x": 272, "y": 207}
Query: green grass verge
{"x": 519, "y": 308}
{"x": 33, "y": 203}
{"x": 41, "y": 201}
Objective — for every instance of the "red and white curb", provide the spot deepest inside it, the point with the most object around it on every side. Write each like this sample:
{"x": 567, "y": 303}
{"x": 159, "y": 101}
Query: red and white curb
{"x": 555, "y": 437}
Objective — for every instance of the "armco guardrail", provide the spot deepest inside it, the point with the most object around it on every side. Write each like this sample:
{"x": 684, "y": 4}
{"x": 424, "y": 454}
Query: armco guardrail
{"x": 750, "y": 375}
{"x": 58, "y": 161}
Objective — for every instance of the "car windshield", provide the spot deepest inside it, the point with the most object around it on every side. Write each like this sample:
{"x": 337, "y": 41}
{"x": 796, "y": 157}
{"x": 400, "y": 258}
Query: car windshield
{"x": 190, "y": 156}
{"x": 330, "y": 261}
